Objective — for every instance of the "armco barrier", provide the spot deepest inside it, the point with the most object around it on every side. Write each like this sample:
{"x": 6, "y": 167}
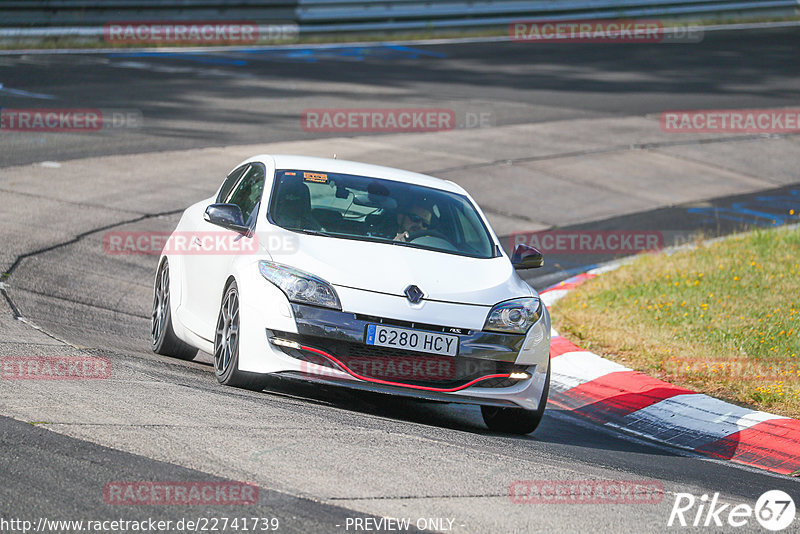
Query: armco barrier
{"x": 64, "y": 13}
{"x": 314, "y": 16}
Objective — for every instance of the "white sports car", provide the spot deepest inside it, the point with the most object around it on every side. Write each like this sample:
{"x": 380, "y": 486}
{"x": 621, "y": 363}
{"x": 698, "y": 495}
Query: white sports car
{"x": 360, "y": 276}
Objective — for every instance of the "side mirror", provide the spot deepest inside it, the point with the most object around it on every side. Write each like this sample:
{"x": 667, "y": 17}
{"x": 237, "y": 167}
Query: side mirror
{"x": 227, "y": 216}
{"x": 526, "y": 257}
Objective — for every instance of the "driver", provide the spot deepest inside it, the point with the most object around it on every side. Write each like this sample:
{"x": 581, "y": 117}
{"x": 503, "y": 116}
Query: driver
{"x": 414, "y": 219}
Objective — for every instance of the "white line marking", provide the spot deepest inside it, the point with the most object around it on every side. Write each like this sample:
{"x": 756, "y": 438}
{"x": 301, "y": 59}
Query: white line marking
{"x": 27, "y": 94}
{"x": 692, "y": 420}
{"x": 572, "y": 369}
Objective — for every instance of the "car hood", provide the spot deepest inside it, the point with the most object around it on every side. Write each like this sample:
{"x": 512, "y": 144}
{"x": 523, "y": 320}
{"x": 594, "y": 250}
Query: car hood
{"x": 390, "y": 269}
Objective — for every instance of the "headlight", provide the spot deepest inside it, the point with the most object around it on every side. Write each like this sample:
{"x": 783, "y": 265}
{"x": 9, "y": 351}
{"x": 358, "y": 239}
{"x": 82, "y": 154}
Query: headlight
{"x": 514, "y": 316}
{"x": 300, "y": 286}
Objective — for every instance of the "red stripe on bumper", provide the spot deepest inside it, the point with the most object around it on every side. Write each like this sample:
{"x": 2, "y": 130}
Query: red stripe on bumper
{"x": 399, "y": 384}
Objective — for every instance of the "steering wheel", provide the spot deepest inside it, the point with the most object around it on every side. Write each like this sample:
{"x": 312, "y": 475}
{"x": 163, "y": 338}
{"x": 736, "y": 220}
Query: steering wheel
{"x": 427, "y": 232}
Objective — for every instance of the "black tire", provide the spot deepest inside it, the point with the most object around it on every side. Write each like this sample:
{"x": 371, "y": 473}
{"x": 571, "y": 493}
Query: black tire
{"x": 226, "y": 345}
{"x": 516, "y": 420}
{"x": 162, "y": 336}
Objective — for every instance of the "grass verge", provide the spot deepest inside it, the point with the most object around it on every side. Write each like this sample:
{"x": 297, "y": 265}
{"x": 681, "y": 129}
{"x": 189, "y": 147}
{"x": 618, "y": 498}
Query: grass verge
{"x": 722, "y": 318}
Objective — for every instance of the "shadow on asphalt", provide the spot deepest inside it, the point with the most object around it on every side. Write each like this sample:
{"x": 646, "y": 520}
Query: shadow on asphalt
{"x": 455, "y": 416}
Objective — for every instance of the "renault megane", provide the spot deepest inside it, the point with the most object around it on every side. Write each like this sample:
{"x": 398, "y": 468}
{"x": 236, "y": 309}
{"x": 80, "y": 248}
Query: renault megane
{"x": 356, "y": 275}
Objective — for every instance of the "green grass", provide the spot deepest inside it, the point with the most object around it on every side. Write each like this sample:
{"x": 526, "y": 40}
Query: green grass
{"x": 721, "y": 319}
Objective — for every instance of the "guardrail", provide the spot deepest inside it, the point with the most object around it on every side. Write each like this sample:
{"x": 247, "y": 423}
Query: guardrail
{"x": 343, "y": 15}
{"x": 315, "y": 16}
{"x": 33, "y": 13}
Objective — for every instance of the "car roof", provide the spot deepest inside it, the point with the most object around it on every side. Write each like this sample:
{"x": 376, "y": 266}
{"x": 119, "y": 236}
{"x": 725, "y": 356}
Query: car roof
{"x": 308, "y": 163}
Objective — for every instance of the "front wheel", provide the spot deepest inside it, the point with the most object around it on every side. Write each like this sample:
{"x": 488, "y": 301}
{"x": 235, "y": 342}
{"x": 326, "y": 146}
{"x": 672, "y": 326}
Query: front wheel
{"x": 226, "y": 346}
{"x": 516, "y": 420}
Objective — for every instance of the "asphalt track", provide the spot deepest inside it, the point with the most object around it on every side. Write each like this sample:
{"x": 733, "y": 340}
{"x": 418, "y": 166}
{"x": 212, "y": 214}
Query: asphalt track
{"x": 224, "y": 98}
{"x": 321, "y": 455}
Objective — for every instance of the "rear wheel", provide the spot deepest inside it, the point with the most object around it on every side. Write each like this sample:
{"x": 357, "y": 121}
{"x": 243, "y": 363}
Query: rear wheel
{"x": 516, "y": 420}
{"x": 226, "y": 346}
{"x": 163, "y": 338}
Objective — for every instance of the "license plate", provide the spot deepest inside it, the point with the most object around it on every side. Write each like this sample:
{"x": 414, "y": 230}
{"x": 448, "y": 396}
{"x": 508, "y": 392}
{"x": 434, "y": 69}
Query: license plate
{"x": 416, "y": 340}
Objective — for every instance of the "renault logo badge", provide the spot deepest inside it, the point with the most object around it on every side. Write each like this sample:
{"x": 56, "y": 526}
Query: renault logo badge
{"x": 413, "y": 294}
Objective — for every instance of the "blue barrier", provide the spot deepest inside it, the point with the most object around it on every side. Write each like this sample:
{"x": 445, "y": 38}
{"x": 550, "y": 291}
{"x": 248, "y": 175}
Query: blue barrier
{"x": 758, "y": 211}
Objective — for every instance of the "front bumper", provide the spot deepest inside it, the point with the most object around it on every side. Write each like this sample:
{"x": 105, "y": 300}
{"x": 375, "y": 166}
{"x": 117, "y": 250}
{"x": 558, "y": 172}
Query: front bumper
{"x": 330, "y": 345}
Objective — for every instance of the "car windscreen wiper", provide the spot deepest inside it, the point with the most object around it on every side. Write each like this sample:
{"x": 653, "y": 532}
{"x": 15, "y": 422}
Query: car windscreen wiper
{"x": 309, "y": 231}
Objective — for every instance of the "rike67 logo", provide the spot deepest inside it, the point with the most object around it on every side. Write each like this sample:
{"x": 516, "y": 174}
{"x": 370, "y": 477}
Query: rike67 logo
{"x": 774, "y": 510}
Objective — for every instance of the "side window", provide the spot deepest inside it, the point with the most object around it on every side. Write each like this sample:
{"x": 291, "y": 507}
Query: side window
{"x": 230, "y": 183}
{"x": 247, "y": 193}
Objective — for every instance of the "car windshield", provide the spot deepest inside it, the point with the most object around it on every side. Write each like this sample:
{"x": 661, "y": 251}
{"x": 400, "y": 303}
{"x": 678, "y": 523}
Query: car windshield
{"x": 364, "y": 208}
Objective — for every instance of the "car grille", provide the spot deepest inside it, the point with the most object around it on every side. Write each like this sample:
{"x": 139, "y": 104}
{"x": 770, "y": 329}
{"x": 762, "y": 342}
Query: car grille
{"x": 406, "y": 367}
